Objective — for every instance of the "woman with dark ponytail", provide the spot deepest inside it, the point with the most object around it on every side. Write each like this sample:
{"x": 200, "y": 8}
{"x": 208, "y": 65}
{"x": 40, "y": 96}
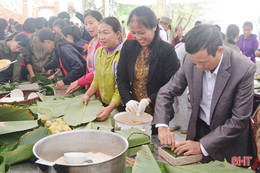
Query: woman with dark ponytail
{"x": 72, "y": 34}
{"x": 146, "y": 63}
{"x": 67, "y": 56}
{"x": 232, "y": 35}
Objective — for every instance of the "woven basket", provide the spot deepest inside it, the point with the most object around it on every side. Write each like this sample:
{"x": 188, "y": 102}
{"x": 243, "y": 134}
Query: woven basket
{"x": 24, "y": 102}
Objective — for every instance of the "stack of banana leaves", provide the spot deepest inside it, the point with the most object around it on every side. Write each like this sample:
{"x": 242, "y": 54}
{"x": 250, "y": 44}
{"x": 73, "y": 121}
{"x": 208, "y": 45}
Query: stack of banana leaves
{"x": 145, "y": 163}
{"x": 73, "y": 112}
{"x": 19, "y": 131}
{"x": 47, "y": 84}
{"x": 136, "y": 138}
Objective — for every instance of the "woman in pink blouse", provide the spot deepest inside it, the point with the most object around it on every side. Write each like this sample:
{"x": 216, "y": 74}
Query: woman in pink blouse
{"x": 91, "y": 20}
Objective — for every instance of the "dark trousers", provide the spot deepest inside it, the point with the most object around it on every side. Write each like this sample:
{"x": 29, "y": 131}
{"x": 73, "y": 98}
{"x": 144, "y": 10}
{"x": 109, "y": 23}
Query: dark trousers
{"x": 202, "y": 130}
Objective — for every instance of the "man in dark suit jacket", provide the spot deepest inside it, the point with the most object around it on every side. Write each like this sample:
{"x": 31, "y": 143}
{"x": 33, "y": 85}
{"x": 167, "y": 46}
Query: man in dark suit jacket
{"x": 220, "y": 82}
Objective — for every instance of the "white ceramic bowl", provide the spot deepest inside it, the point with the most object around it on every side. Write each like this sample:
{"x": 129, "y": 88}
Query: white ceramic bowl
{"x": 75, "y": 157}
{"x": 123, "y": 120}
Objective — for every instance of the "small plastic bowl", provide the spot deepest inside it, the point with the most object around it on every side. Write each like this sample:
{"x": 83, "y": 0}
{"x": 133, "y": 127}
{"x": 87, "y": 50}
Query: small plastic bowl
{"x": 75, "y": 157}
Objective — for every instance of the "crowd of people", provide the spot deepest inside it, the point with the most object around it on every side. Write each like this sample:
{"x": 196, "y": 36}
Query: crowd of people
{"x": 207, "y": 80}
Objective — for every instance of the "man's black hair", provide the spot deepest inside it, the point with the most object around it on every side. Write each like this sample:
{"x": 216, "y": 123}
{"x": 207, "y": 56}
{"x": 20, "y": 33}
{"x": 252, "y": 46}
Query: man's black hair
{"x": 248, "y": 23}
{"x": 64, "y": 15}
{"x": 203, "y": 37}
{"x": 40, "y": 22}
{"x": 28, "y": 25}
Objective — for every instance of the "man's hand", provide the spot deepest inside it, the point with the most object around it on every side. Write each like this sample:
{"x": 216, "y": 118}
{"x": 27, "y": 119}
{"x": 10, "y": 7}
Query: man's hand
{"x": 59, "y": 84}
{"x": 188, "y": 147}
{"x": 166, "y": 137}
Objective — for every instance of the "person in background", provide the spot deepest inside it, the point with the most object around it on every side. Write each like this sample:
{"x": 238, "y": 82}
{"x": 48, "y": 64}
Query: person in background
{"x": 52, "y": 19}
{"x": 72, "y": 34}
{"x": 179, "y": 35}
{"x": 36, "y": 55}
{"x": 257, "y": 53}
{"x": 106, "y": 59}
{"x": 219, "y": 28}
{"x": 84, "y": 34}
{"x": 67, "y": 56}
{"x": 28, "y": 29}
{"x": 197, "y": 23}
{"x": 28, "y": 26}
{"x": 12, "y": 25}
{"x": 59, "y": 24}
{"x": 3, "y": 28}
{"x": 146, "y": 63}
{"x": 64, "y": 15}
{"x": 18, "y": 27}
{"x": 181, "y": 105}
{"x": 165, "y": 25}
{"x": 232, "y": 35}
{"x": 247, "y": 42}
{"x": 11, "y": 49}
{"x": 130, "y": 36}
{"x": 123, "y": 30}
{"x": 221, "y": 86}
{"x": 91, "y": 20}
{"x": 9, "y": 25}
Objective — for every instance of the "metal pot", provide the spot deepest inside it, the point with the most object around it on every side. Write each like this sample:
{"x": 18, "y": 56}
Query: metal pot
{"x": 123, "y": 120}
{"x": 50, "y": 148}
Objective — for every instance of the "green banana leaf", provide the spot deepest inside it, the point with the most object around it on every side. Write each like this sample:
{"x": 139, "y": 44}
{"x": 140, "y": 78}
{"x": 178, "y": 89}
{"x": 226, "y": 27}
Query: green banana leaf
{"x": 44, "y": 80}
{"x": 145, "y": 162}
{"x": 106, "y": 125}
{"x": 58, "y": 107}
{"x": 10, "y": 138}
{"x": 128, "y": 169}
{"x": 168, "y": 150}
{"x": 21, "y": 153}
{"x": 212, "y": 167}
{"x": 175, "y": 169}
{"x": 16, "y": 126}
{"x": 9, "y": 147}
{"x": 2, "y": 164}
{"x": 41, "y": 79}
{"x": 79, "y": 92}
{"x": 7, "y": 86}
{"x": 133, "y": 151}
{"x": 76, "y": 113}
{"x": 34, "y": 136}
{"x": 135, "y": 137}
{"x": 10, "y": 113}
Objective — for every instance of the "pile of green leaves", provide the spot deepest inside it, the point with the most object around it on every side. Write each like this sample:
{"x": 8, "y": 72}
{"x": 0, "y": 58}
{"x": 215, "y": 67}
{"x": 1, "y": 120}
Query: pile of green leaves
{"x": 45, "y": 83}
{"x": 8, "y": 86}
{"x": 19, "y": 131}
{"x": 168, "y": 150}
{"x": 71, "y": 108}
{"x": 145, "y": 163}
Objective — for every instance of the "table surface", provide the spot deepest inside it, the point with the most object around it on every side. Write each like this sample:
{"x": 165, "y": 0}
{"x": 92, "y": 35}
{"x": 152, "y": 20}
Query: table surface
{"x": 30, "y": 166}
